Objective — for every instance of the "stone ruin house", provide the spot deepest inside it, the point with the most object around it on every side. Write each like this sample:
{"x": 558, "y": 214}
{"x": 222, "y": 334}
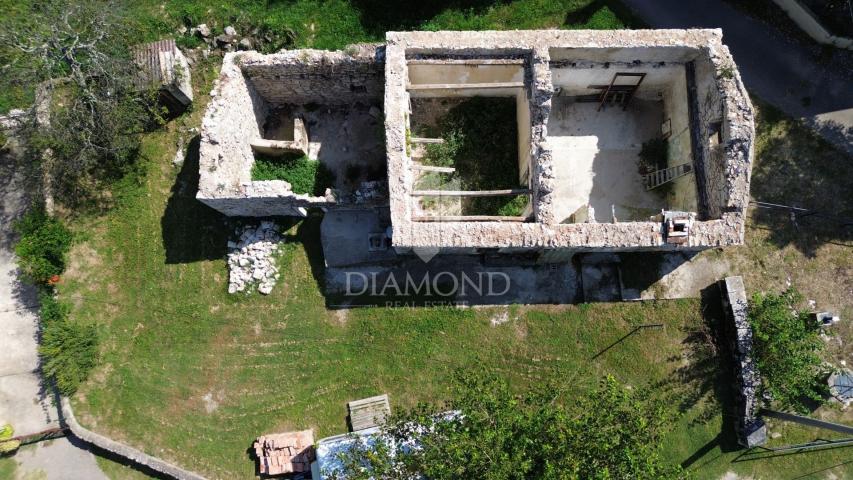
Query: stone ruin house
{"x": 585, "y": 104}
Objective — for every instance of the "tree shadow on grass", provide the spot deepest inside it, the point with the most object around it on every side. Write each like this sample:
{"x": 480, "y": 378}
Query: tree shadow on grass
{"x": 794, "y": 166}
{"x": 703, "y": 384}
{"x": 191, "y": 230}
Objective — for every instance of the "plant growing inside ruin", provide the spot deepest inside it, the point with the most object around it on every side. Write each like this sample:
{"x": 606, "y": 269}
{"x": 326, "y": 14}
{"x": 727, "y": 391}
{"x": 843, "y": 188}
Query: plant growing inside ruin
{"x": 787, "y": 348}
{"x": 481, "y": 143}
{"x": 727, "y": 72}
{"x": 305, "y": 176}
{"x": 444, "y": 154}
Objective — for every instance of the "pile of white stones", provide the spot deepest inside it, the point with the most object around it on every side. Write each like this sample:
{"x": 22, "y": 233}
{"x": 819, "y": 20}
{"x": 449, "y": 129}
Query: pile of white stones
{"x": 251, "y": 259}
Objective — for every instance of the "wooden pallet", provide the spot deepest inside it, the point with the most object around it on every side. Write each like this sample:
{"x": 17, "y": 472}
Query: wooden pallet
{"x": 369, "y": 412}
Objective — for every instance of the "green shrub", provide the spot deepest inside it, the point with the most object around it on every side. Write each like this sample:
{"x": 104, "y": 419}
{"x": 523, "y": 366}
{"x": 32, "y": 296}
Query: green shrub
{"x": 70, "y": 351}
{"x": 42, "y": 247}
{"x": 305, "y": 176}
{"x": 444, "y": 154}
{"x": 787, "y": 349}
{"x": 52, "y": 310}
{"x": 7, "y": 445}
{"x": 481, "y": 142}
{"x": 604, "y": 19}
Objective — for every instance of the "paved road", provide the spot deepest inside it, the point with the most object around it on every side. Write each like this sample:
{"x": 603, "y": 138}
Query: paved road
{"x": 780, "y": 71}
{"x": 23, "y": 403}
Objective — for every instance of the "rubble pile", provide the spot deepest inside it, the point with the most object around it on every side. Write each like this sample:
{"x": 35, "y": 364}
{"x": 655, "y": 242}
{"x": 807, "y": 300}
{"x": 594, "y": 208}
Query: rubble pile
{"x": 251, "y": 259}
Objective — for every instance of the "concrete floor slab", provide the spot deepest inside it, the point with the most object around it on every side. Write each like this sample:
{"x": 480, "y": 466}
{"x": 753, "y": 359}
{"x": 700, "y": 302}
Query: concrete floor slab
{"x": 346, "y": 233}
{"x": 499, "y": 283}
{"x": 23, "y": 403}
{"x": 58, "y": 459}
{"x": 595, "y": 158}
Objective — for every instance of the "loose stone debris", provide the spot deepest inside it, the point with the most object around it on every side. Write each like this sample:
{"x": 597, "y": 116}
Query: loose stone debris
{"x": 251, "y": 259}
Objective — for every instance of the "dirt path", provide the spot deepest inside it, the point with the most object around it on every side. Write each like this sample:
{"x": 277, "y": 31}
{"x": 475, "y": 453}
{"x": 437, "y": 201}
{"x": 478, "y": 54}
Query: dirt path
{"x": 777, "y": 69}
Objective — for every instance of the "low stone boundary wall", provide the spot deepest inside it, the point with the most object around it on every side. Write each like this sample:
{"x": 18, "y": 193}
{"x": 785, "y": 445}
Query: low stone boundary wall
{"x": 808, "y": 22}
{"x": 122, "y": 450}
{"x": 751, "y": 430}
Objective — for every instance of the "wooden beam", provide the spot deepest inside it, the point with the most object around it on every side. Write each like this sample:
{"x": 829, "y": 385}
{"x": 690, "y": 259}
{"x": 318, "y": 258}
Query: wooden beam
{"x": 431, "y": 168}
{"x": 467, "y": 218}
{"x": 425, "y": 140}
{"x": 465, "y": 61}
{"x": 461, "y": 86}
{"x": 470, "y": 193}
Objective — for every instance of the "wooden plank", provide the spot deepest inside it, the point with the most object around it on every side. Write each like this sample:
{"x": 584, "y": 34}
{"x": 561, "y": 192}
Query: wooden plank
{"x": 431, "y": 168}
{"x": 465, "y": 61}
{"x": 425, "y": 140}
{"x": 467, "y": 218}
{"x": 369, "y": 412}
{"x": 470, "y": 193}
{"x": 460, "y": 86}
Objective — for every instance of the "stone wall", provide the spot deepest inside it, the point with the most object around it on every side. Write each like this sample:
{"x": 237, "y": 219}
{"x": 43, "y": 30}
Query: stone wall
{"x": 751, "y": 430}
{"x": 123, "y": 451}
{"x": 233, "y": 118}
{"x": 249, "y": 86}
{"x": 720, "y": 81}
{"x": 318, "y": 76}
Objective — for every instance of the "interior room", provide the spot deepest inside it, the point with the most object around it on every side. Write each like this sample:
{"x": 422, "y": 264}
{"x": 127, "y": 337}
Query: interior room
{"x": 620, "y": 139}
{"x": 469, "y": 139}
{"x": 305, "y": 114}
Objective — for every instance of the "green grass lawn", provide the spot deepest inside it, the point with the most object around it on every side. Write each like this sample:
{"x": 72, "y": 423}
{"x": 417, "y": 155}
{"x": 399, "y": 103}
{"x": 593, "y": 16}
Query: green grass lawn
{"x": 193, "y": 374}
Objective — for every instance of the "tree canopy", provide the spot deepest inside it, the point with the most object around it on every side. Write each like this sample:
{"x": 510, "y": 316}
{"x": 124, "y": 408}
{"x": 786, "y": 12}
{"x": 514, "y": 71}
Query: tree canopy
{"x": 787, "y": 349}
{"x": 493, "y": 433}
{"x": 89, "y": 108}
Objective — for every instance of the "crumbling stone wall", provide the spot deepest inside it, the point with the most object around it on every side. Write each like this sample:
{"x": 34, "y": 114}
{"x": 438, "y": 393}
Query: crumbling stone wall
{"x": 249, "y": 86}
{"x": 724, "y": 104}
{"x": 749, "y": 426}
{"x": 234, "y": 116}
{"x": 723, "y": 226}
{"x": 318, "y": 76}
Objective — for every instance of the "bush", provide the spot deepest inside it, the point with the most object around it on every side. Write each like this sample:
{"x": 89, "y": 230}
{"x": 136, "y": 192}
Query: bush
{"x": 305, "y": 176}
{"x": 481, "y": 142}
{"x": 608, "y": 433}
{"x": 787, "y": 349}
{"x": 8, "y": 445}
{"x": 70, "y": 351}
{"x": 43, "y": 245}
{"x": 444, "y": 154}
{"x": 52, "y": 310}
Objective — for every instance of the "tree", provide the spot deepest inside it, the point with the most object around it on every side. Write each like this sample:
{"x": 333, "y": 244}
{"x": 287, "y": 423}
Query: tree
{"x": 493, "y": 433}
{"x": 89, "y": 110}
{"x": 787, "y": 349}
